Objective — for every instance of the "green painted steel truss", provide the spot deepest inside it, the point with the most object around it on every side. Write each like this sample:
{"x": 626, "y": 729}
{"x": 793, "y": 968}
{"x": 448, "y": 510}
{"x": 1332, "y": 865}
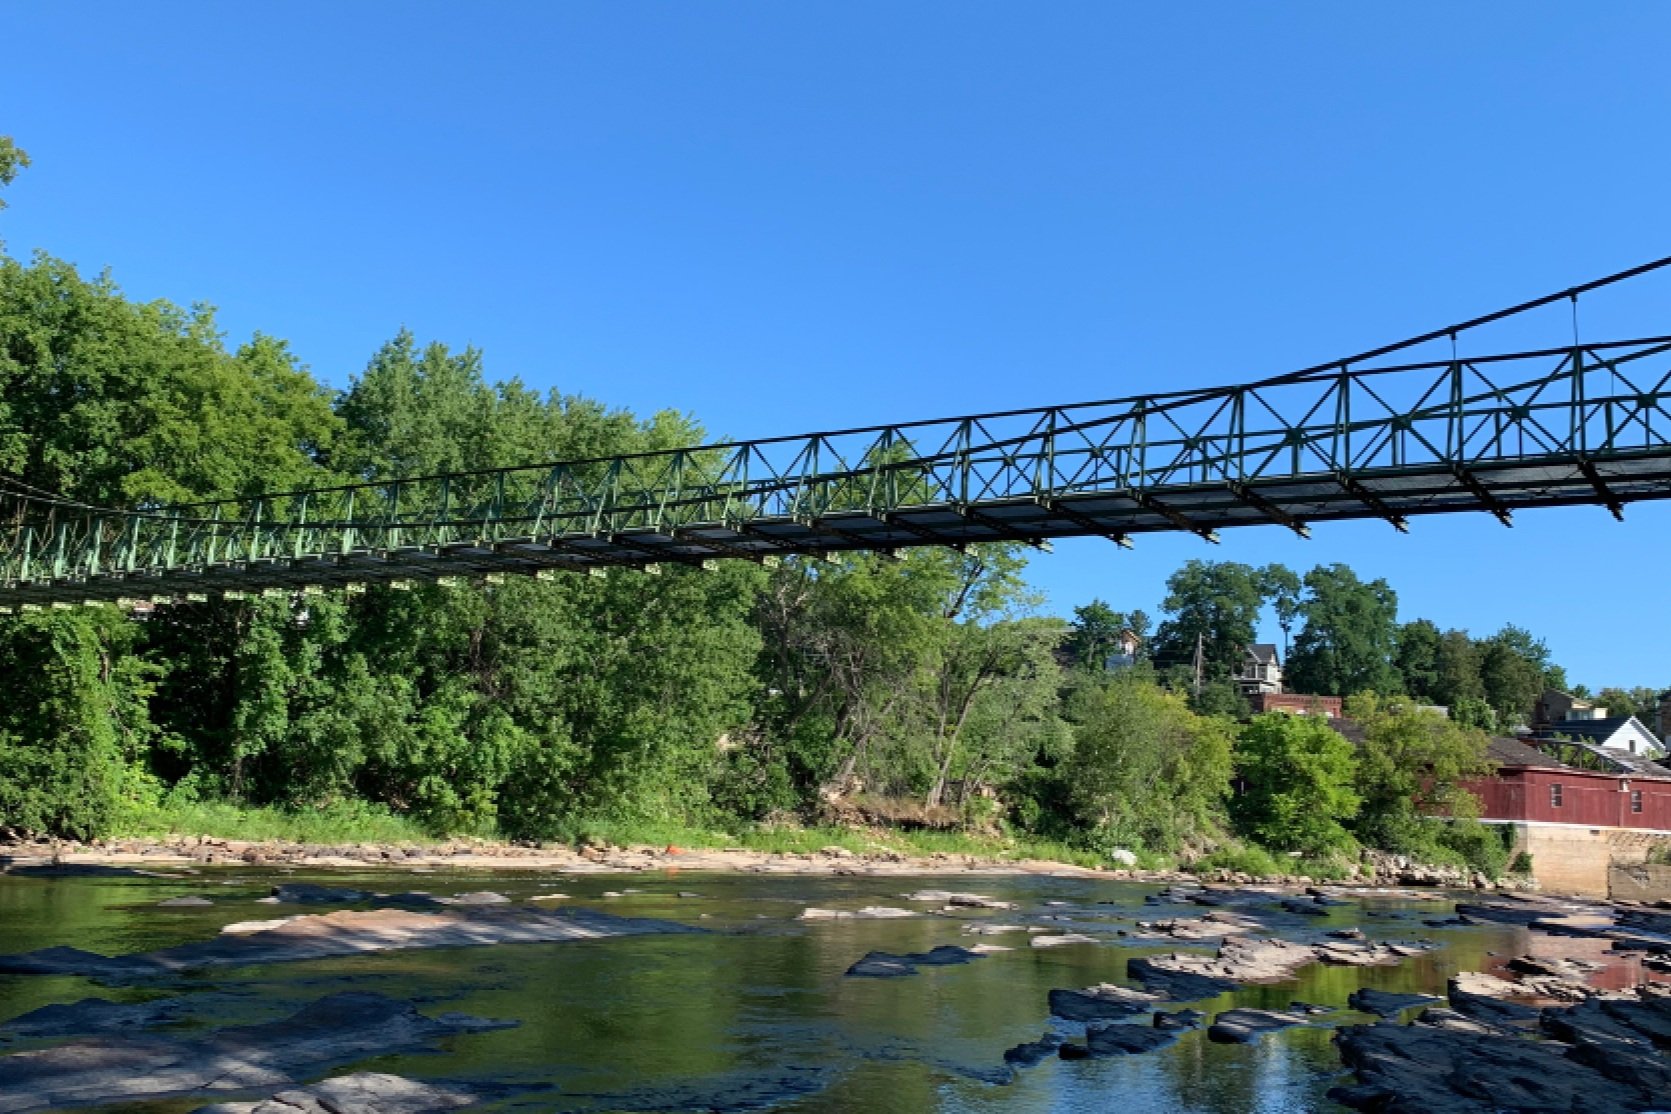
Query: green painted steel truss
{"x": 1587, "y": 424}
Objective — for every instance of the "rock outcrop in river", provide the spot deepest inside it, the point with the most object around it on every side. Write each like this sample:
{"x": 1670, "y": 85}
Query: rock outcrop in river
{"x": 335, "y": 1030}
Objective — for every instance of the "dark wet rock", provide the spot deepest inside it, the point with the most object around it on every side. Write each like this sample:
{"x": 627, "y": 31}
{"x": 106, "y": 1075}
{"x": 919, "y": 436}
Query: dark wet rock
{"x": 189, "y": 901}
{"x": 1305, "y": 907}
{"x": 1033, "y": 1052}
{"x": 1179, "y": 1021}
{"x": 883, "y": 965}
{"x": 1646, "y": 1019}
{"x": 1473, "y": 997}
{"x": 1438, "y": 1017}
{"x": 93, "y": 1015}
{"x": 1309, "y": 1008}
{"x": 1507, "y": 912}
{"x": 1073, "y": 1052}
{"x": 1448, "y": 922}
{"x": 1432, "y": 1070}
{"x": 346, "y": 932}
{"x": 961, "y": 900}
{"x": 1246, "y": 1026}
{"x": 1100, "y": 1003}
{"x": 338, "y": 1029}
{"x": 1384, "y": 1003}
{"x": 82, "y": 870}
{"x": 306, "y": 893}
{"x": 1126, "y": 1040}
{"x": 360, "y": 1093}
{"x": 1179, "y": 986}
{"x": 1558, "y": 968}
{"x": 1346, "y": 933}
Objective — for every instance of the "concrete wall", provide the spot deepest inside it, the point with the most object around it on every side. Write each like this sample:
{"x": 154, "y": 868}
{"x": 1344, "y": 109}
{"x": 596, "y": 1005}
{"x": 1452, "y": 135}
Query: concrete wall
{"x": 1582, "y": 861}
{"x": 1639, "y": 883}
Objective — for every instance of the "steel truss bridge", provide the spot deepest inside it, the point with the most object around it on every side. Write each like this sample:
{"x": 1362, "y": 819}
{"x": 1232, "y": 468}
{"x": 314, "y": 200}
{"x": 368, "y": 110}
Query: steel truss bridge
{"x": 1376, "y": 435}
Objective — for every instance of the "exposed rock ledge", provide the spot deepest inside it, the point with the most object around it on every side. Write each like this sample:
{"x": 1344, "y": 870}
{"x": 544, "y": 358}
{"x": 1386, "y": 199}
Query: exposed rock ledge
{"x": 1601, "y": 1056}
{"x": 334, "y": 1030}
{"x": 361, "y": 1093}
{"x": 343, "y": 933}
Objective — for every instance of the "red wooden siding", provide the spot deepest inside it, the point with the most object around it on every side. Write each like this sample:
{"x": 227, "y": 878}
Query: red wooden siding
{"x": 1599, "y": 800}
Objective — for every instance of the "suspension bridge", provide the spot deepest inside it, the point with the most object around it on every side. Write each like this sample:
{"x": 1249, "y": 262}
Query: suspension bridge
{"x": 1376, "y": 435}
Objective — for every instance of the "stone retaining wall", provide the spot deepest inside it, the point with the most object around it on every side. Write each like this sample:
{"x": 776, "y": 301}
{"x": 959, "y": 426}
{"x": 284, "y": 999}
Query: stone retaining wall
{"x": 1639, "y": 882}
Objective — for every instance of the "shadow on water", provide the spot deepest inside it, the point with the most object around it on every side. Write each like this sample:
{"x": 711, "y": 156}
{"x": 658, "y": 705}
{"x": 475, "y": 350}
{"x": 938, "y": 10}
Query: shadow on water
{"x": 756, "y": 1014}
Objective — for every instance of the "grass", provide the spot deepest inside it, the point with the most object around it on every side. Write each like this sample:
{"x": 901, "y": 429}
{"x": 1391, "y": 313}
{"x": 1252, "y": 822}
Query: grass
{"x": 349, "y": 822}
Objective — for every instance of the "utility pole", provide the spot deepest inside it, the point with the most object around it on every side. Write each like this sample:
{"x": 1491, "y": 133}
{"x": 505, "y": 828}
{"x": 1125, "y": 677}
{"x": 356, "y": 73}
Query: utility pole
{"x": 1199, "y": 639}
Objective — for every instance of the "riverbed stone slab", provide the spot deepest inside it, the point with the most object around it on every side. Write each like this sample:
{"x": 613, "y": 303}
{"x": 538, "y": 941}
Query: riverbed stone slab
{"x": 1385, "y": 1003}
{"x": 360, "y": 1093}
{"x": 338, "y": 1029}
{"x": 1246, "y": 1026}
{"x": 885, "y": 965}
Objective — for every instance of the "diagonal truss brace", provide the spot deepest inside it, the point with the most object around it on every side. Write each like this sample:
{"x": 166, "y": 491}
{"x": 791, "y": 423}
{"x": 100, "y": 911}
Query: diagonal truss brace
{"x": 1608, "y": 497}
{"x": 1085, "y": 522}
{"x": 1373, "y": 501}
{"x": 1276, "y": 514}
{"x": 1472, "y": 482}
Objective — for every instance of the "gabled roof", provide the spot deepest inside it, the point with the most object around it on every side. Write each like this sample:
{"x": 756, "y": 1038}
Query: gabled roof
{"x": 1598, "y": 731}
{"x": 1263, "y": 652}
{"x": 1512, "y": 752}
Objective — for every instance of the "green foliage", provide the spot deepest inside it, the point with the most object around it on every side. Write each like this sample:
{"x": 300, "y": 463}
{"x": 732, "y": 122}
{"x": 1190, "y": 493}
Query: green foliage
{"x": 1297, "y": 777}
{"x": 1147, "y": 772}
{"x": 1244, "y": 858}
{"x": 1348, "y": 641}
{"x": 1217, "y": 604}
{"x": 12, "y": 160}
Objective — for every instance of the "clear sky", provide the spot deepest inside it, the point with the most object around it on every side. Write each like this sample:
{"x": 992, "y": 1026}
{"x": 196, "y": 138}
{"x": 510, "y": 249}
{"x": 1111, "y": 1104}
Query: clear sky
{"x": 787, "y": 217}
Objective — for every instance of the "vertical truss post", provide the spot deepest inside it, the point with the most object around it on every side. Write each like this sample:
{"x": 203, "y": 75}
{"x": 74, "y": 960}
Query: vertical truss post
{"x": 347, "y": 543}
{"x": 1580, "y": 441}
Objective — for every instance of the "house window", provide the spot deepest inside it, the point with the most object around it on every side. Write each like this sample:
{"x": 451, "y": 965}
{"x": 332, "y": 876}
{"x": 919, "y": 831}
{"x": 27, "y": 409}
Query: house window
{"x": 1636, "y": 800}
{"x": 1554, "y": 796}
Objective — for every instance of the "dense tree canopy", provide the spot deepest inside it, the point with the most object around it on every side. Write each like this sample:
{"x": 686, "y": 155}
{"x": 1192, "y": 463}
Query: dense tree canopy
{"x": 928, "y": 683}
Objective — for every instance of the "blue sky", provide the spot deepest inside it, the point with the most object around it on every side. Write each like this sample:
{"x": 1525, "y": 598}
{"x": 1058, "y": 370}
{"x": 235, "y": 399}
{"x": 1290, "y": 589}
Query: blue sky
{"x": 787, "y": 217}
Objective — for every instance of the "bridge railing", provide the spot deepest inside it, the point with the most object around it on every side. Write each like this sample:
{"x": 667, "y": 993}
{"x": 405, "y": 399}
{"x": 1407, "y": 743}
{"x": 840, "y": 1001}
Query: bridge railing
{"x": 1594, "y": 402}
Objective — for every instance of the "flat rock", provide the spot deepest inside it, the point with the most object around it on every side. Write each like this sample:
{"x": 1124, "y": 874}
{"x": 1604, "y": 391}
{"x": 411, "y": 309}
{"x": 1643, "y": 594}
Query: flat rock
{"x": 1104, "y": 1002}
{"x": 1180, "y": 1020}
{"x": 1062, "y": 940}
{"x": 959, "y": 900}
{"x": 190, "y": 901}
{"x": 1383, "y": 1003}
{"x": 1246, "y": 1026}
{"x": 1126, "y": 1040}
{"x": 94, "y": 1015}
{"x": 884, "y": 965}
{"x": 868, "y": 913}
{"x": 1431, "y": 1070}
{"x": 1032, "y": 1053}
{"x": 338, "y": 1029}
{"x": 1177, "y": 985}
{"x": 346, "y": 932}
{"x": 360, "y": 1093}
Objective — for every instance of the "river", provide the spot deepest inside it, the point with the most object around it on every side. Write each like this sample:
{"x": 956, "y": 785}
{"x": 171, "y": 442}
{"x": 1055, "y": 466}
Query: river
{"x": 755, "y": 1013}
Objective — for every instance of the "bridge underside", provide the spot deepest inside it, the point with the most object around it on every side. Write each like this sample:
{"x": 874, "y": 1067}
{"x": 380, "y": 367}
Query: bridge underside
{"x": 1497, "y": 488}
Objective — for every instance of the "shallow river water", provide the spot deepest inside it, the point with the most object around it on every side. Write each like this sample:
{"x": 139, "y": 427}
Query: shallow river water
{"x": 754, "y": 1014}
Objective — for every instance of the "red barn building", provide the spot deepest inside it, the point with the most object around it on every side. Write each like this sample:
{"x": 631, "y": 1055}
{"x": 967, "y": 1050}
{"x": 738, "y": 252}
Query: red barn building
{"x": 1575, "y": 809}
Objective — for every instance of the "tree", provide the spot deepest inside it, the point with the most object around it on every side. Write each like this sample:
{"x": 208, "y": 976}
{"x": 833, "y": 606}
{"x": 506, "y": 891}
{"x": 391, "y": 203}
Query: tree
{"x": 1416, "y": 658}
{"x": 1513, "y": 672}
{"x": 12, "y": 160}
{"x": 1641, "y": 702}
{"x": 1297, "y": 778}
{"x": 1283, "y": 588}
{"x": 1350, "y": 630}
{"x": 1215, "y": 603}
{"x": 1146, "y": 771}
{"x": 1411, "y": 766}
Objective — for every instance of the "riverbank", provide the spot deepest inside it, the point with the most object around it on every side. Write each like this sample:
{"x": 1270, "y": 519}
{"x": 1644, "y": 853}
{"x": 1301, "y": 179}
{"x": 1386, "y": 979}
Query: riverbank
{"x": 787, "y": 851}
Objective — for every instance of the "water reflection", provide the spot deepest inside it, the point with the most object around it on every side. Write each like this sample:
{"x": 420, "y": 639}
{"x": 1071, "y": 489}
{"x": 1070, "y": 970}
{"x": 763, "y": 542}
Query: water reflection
{"x": 757, "y": 1014}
